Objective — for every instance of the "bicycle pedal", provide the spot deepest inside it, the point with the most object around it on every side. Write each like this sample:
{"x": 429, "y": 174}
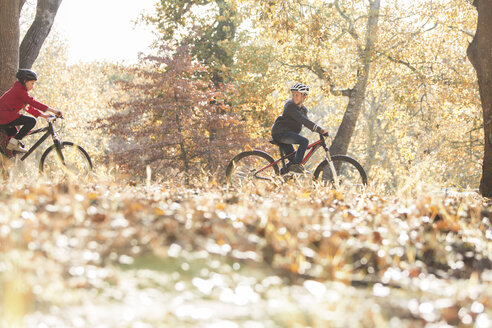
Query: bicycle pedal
{"x": 288, "y": 176}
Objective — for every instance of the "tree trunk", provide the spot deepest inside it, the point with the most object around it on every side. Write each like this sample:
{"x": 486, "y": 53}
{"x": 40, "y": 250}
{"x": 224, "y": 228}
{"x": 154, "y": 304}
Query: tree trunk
{"x": 33, "y": 40}
{"x": 357, "y": 95}
{"x": 182, "y": 147}
{"x": 9, "y": 41}
{"x": 480, "y": 54}
{"x": 373, "y": 138}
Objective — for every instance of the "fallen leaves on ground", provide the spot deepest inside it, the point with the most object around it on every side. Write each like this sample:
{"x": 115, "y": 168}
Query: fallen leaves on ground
{"x": 288, "y": 255}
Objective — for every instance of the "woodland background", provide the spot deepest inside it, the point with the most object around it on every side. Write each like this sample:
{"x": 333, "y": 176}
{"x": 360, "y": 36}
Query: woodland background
{"x": 155, "y": 225}
{"x": 226, "y": 81}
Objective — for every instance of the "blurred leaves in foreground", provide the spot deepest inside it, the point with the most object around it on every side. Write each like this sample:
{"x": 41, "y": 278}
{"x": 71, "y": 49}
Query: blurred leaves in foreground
{"x": 166, "y": 255}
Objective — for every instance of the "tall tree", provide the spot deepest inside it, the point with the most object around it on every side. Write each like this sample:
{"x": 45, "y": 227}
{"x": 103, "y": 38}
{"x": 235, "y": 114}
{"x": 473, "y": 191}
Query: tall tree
{"x": 170, "y": 115}
{"x": 357, "y": 93}
{"x": 480, "y": 54}
{"x": 428, "y": 94}
{"x": 11, "y": 57}
{"x": 208, "y": 25}
{"x": 41, "y": 26}
{"x": 9, "y": 41}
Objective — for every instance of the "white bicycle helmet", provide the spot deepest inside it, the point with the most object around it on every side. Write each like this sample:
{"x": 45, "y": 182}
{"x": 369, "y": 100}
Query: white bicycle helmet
{"x": 302, "y": 88}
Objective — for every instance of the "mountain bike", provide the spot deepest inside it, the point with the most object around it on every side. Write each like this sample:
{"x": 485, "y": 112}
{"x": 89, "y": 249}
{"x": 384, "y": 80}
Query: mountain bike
{"x": 60, "y": 157}
{"x": 337, "y": 171}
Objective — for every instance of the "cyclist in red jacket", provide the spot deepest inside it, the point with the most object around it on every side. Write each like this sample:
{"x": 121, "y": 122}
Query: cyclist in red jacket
{"x": 287, "y": 127}
{"x": 15, "y": 99}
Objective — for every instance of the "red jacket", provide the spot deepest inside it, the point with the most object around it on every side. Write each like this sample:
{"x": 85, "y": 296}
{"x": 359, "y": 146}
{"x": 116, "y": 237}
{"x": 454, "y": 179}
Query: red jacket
{"x": 12, "y": 101}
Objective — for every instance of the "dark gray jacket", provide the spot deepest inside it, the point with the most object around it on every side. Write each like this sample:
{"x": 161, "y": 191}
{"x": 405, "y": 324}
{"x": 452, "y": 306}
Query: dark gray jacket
{"x": 292, "y": 119}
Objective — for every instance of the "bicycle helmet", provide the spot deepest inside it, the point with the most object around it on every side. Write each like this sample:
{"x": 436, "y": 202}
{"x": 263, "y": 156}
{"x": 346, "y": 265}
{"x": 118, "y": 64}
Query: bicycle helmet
{"x": 302, "y": 88}
{"x": 24, "y": 75}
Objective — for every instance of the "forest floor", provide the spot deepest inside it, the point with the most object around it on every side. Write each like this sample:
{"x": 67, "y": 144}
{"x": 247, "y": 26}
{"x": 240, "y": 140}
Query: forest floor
{"x": 103, "y": 253}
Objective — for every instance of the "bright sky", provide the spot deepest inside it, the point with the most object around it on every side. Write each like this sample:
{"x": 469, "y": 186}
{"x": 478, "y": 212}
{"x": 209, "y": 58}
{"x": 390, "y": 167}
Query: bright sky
{"x": 104, "y": 30}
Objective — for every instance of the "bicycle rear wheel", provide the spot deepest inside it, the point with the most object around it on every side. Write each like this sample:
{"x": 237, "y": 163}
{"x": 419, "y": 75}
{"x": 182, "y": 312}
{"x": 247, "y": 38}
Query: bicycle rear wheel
{"x": 350, "y": 173}
{"x": 251, "y": 166}
{"x": 71, "y": 158}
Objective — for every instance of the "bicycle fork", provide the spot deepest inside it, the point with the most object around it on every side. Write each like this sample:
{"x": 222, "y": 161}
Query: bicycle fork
{"x": 332, "y": 168}
{"x": 58, "y": 147}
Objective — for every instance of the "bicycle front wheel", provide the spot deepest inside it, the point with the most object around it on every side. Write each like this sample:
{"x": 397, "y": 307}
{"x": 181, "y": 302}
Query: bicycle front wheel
{"x": 68, "y": 158}
{"x": 350, "y": 174}
{"x": 253, "y": 166}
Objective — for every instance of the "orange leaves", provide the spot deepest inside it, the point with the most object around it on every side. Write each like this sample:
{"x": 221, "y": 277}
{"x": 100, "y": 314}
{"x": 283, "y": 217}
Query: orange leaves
{"x": 442, "y": 220}
{"x": 189, "y": 126}
{"x": 83, "y": 237}
{"x": 377, "y": 239}
{"x": 220, "y": 206}
{"x": 446, "y": 226}
{"x": 304, "y": 195}
{"x": 92, "y": 196}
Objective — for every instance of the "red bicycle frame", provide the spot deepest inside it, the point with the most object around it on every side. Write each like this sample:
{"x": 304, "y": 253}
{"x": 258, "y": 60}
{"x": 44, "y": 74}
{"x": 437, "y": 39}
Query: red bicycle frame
{"x": 312, "y": 148}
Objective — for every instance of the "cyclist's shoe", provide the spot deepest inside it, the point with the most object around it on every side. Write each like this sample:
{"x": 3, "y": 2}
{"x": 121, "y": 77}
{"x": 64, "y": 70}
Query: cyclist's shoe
{"x": 284, "y": 170}
{"x": 16, "y": 145}
{"x": 298, "y": 168}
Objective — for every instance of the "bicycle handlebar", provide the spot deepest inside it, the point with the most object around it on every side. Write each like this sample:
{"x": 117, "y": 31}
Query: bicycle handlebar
{"x": 53, "y": 118}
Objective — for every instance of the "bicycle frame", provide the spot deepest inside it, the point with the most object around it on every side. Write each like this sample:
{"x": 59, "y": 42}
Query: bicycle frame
{"x": 312, "y": 148}
{"x": 49, "y": 131}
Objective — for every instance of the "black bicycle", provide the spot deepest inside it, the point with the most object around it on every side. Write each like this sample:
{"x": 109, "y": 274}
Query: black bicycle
{"x": 60, "y": 157}
{"x": 335, "y": 170}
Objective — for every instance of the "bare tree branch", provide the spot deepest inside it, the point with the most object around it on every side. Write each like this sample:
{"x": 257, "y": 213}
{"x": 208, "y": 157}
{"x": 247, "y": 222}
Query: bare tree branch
{"x": 351, "y": 28}
{"x": 33, "y": 40}
{"x": 399, "y": 61}
{"x": 469, "y": 33}
{"x": 317, "y": 69}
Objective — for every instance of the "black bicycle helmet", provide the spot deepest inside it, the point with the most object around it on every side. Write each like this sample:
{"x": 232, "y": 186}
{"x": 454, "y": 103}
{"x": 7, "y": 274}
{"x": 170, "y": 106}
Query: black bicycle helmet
{"x": 302, "y": 88}
{"x": 24, "y": 75}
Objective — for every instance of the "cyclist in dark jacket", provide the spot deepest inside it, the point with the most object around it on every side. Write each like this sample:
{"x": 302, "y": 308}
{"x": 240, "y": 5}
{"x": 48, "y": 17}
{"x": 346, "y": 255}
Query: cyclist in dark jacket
{"x": 287, "y": 127}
